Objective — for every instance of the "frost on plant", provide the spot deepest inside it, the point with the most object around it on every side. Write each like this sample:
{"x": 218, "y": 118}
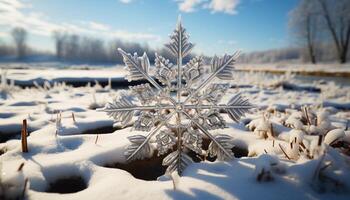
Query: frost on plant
{"x": 175, "y": 112}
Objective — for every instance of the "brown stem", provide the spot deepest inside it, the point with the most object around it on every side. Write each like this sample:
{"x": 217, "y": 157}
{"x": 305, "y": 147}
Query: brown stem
{"x": 284, "y": 152}
{"x": 307, "y": 116}
{"x": 73, "y": 117}
{"x": 272, "y": 132}
{"x": 20, "y": 167}
{"x": 24, "y": 136}
{"x": 96, "y": 139}
{"x": 319, "y": 140}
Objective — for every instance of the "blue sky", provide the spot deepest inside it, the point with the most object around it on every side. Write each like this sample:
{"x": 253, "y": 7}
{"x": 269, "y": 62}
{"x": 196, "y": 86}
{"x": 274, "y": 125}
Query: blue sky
{"x": 215, "y": 26}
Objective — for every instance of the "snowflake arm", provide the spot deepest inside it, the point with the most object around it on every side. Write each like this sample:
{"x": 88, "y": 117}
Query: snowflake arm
{"x": 123, "y": 110}
{"x": 193, "y": 70}
{"x": 147, "y": 138}
{"x": 138, "y": 149}
{"x": 215, "y": 150}
{"x": 165, "y": 72}
{"x": 138, "y": 67}
{"x": 212, "y": 138}
{"x": 179, "y": 45}
{"x": 236, "y": 107}
{"x": 221, "y": 68}
{"x": 177, "y": 161}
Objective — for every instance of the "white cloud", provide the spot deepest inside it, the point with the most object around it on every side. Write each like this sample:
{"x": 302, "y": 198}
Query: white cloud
{"x": 125, "y": 1}
{"x": 12, "y": 15}
{"x": 224, "y": 6}
{"x": 188, "y": 5}
{"x": 12, "y": 4}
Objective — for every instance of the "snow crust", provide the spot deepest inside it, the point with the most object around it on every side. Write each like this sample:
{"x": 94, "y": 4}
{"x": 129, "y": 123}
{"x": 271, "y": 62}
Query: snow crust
{"x": 61, "y": 147}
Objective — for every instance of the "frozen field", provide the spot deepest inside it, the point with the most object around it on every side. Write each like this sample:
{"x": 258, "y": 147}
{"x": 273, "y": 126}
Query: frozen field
{"x": 78, "y": 152}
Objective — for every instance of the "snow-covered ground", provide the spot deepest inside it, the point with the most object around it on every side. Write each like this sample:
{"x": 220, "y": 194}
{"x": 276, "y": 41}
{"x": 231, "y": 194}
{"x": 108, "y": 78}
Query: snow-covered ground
{"x": 340, "y": 70}
{"x": 283, "y": 155}
{"x": 38, "y": 75}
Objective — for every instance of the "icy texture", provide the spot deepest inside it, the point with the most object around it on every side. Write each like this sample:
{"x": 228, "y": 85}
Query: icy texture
{"x": 179, "y": 122}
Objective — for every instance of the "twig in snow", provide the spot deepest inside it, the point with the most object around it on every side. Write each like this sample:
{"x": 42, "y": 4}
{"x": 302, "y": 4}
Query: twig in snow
{"x": 305, "y": 149}
{"x": 73, "y": 117}
{"x": 265, "y": 151}
{"x": 272, "y": 132}
{"x": 300, "y": 149}
{"x": 319, "y": 140}
{"x": 307, "y": 116}
{"x": 24, "y": 136}
{"x": 284, "y": 152}
{"x": 20, "y": 167}
{"x": 96, "y": 139}
{"x": 273, "y": 143}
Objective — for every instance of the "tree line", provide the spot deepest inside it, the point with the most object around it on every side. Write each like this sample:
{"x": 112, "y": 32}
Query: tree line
{"x": 321, "y": 24}
{"x": 76, "y": 48}
{"x": 320, "y": 28}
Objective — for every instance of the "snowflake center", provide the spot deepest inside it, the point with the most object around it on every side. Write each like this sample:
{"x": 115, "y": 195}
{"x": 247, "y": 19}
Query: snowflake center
{"x": 179, "y": 107}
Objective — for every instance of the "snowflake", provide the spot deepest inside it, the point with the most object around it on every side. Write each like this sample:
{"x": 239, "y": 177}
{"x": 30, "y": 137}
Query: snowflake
{"x": 178, "y": 122}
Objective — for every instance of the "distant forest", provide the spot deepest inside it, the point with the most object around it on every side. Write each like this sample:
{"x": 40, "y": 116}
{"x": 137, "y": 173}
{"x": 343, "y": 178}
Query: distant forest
{"x": 76, "y": 48}
{"x": 319, "y": 31}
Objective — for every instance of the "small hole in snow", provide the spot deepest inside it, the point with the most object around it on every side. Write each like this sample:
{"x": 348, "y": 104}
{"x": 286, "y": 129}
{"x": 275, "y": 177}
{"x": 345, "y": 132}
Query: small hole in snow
{"x": 4, "y": 137}
{"x": 67, "y": 185}
{"x": 2, "y": 151}
{"x": 151, "y": 168}
{"x": 71, "y": 144}
{"x": 147, "y": 169}
{"x": 239, "y": 152}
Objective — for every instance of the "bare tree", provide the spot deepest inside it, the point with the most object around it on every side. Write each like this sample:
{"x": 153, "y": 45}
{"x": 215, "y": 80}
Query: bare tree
{"x": 72, "y": 46}
{"x": 304, "y": 22}
{"x": 20, "y": 38}
{"x": 336, "y": 14}
{"x": 59, "y": 38}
